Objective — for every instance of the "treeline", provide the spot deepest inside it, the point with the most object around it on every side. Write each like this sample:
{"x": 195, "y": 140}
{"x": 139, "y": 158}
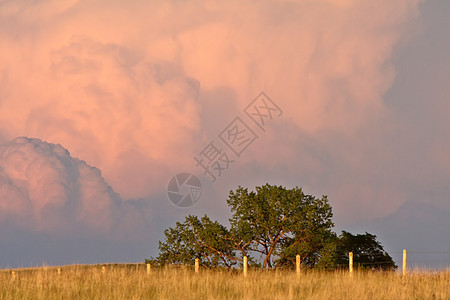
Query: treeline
{"x": 270, "y": 226}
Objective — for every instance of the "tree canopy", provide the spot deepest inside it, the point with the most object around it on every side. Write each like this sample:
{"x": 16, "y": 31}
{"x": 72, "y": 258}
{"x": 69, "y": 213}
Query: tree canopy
{"x": 270, "y": 226}
{"x": 367, "y": 252}
{"x": 278, "y": 223}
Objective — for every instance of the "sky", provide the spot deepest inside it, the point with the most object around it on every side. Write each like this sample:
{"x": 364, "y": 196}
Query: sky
{"x": 103, "y": 102}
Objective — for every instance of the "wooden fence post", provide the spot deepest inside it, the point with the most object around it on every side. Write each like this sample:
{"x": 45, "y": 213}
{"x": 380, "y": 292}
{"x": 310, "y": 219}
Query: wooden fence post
{"x": 149, "y": 267}
{"x": 59, "y": 271}
{"x": 245, "y": 266}
{"x": 197, "y": 265}
{"x": 350, "y": 263}
{"x": 297, "y": 264}
{"x": 404, "y": 263}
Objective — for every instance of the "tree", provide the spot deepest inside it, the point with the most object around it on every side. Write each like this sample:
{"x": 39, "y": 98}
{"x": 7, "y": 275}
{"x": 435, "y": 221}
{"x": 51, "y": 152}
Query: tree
{"x": 367, "y": 252}
{"x": 279, "y": 223}
{"x": 274, "y": 222}
{"x": 196, "y": 238}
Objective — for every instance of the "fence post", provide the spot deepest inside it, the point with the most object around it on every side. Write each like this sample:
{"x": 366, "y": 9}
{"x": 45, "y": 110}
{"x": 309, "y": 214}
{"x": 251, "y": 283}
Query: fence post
{"x": 245, "y": 266}
{"x": 149, "y": 267}
{"x": 404, "y": 263}
{"x": 297, "y": 264}
{"x": 350, "y": 263}
{"x": 59, "y": 271}
{"x": 197, "y": 265}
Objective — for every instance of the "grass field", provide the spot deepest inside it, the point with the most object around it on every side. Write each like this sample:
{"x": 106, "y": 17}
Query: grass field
{"x": 133, "y": 282}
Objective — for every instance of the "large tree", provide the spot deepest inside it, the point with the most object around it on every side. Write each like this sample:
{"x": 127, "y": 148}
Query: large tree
{"x": 279, "y": 223}
{"x": 274, "y": 223}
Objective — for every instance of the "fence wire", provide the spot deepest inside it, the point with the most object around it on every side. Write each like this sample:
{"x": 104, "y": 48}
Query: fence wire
{"x": 423, "y": 259}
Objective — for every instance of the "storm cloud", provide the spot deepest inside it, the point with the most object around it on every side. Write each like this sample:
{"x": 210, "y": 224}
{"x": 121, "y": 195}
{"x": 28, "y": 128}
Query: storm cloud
{"x": 136, "y": 89}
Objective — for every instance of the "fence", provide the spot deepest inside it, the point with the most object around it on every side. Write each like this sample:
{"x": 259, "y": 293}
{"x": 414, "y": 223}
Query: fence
{"x": 420, "y": 260}
{"x": 406, "y": 263}
{"x": 410, "y": 261}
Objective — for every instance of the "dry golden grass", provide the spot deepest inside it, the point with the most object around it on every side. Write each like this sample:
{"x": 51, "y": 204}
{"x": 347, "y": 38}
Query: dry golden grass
{"x": 132, "y": 282}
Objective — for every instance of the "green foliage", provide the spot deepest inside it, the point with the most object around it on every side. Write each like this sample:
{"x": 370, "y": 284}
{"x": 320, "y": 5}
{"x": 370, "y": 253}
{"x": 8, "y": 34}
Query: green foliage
{"x": 327, "y": 255}
{"x": 270, "y": 225}
{"x": 196, "y": 238}
{"x": 279, "y": 223}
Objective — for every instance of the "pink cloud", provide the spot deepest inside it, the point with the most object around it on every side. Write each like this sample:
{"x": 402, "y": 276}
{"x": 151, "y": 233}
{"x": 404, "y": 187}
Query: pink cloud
{"x": 121, "y": 84}
{"x": 44, "y": 189}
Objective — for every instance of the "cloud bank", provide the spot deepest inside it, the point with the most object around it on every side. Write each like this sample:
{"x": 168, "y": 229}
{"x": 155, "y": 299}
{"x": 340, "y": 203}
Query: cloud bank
{"x": 45, "y": 190}
{"x": 126, "y": 87}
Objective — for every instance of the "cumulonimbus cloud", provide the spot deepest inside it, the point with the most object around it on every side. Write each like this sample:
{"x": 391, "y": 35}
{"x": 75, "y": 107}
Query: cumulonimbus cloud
{"x": 124, "y": 85}
{"x": 46, "y": 190}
